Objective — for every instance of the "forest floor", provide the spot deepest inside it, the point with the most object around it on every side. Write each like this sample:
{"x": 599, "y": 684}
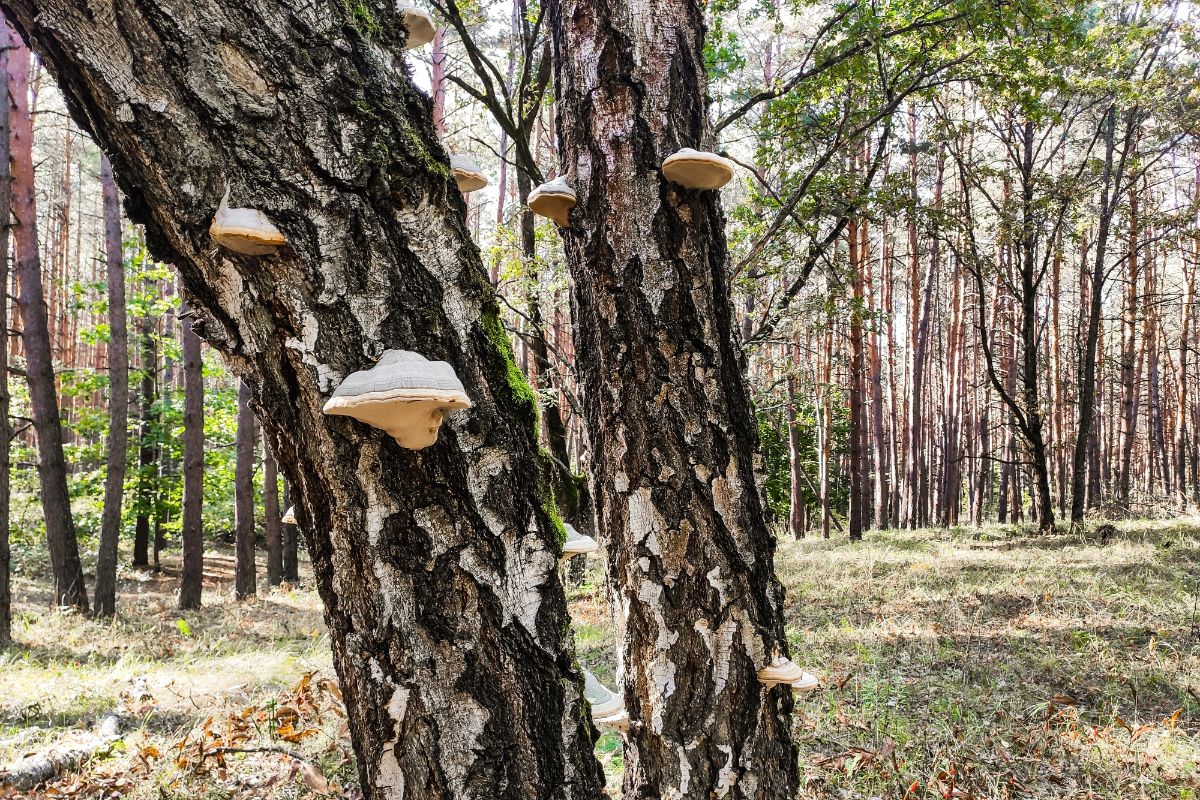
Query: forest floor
{"x": 955, "y": 664}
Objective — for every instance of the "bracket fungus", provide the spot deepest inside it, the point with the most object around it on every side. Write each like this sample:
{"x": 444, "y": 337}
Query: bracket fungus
{"x": 783, "y": 670}
{"x": 405, "y": 394}
{"x": 554, "y": 200}
{"x": 289, "y": 516}
{"x": 419, "y": 26}
{"x": 608, "y": 708}
{"x": 467, "y": 174}
{"x": 244, "y": 230}
{"x": 577, "y": 543}
{"x": 693, "y": 169}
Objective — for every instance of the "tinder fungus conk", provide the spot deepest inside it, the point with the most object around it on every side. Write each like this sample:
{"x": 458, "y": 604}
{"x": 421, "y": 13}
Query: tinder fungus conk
{"x": 553, "y": 200}
{"x": 608, "y": 708}
{"x": 782, "y": 670}
{"x": 419, "y": 26}
{"x": 692, "y": 169}
{"x": 289, "y": 516}
{"x": 244, "y": 230}
{"x": 577, "y": 543}
{"x": 467, "y": 173}
{"x": 405, "y": 394}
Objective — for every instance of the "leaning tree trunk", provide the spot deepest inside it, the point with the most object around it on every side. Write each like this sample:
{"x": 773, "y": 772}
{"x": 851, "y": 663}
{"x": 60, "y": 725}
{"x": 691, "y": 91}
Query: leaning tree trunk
{"x": 245, "y": 584}
{"x": 437, "y": 567}
{"x": 6, "y": 42}
{"x": 191, "y": 575}
{"x": 118, "y": 398}
{"x": 673, "y": 434}
{"x": 69, "y": 588}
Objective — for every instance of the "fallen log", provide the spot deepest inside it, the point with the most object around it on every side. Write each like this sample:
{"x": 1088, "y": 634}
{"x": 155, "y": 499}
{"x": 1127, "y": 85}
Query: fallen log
{"x": 66, "y": 756}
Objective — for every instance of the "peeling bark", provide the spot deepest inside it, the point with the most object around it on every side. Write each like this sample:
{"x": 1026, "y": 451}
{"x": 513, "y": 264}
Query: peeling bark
{"x": 437, "y": 567}
{"x": 673, "y": 435}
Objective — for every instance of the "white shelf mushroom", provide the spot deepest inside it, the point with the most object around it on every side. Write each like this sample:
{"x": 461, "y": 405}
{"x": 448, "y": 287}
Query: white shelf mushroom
{"x": 289, "y": 516}
{"x": 608, "y": 708}
{"x": 783, "y": 670}
{"x": 553, "y": 200}
{"x": 405, "y": 394}
{"x": 244, "y": 230}
{"x": 467, "y": 173}
{"x": 693, "y": 169}
{"x": 419, "y": 26}
{"x": 577, "y": 543}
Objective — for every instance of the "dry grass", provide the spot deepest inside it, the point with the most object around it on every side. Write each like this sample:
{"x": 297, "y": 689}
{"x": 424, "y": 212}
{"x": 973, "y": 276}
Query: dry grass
{"x": 956, "y": 664}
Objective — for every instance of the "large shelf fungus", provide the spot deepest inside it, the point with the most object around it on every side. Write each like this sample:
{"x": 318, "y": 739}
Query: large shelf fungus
{"x": 405, "y": 394}
{"x": 419, "y": 25}
{"x": 608, "y": 708}
{"x": 244, "y": 230}
{"x": 289, "y": 516}
{"x": 577, "y": 543}
{"x": 554, "y": 200}
{"x": 467, "y": 174}
{"x": 783, "y": 670}
{"x": 693, "y": 169}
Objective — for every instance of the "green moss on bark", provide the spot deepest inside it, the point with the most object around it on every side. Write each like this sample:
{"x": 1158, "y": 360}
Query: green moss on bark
{"x": 519, "y": 390}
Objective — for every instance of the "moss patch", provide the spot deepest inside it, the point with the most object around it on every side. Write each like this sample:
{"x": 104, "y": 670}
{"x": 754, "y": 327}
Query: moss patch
{"x": 364, "y": 20}
{"x": 519, "y": 390}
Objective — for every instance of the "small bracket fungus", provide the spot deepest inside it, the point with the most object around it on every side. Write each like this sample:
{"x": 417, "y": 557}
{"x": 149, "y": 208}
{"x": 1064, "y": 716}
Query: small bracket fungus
{"x": 783, "y": 670}
{"x": 419, "y": 26}
{"x": 244, "y": 230}
{"x": 608, "y": 708}
{"x": 467, "y": 173}
{"x": 554, "y": 200}
{"x": 577, "y": 543}
{"x": 405, "y": 394}
{"x": 289, "y": 516}
{"x": 692, "y": 169}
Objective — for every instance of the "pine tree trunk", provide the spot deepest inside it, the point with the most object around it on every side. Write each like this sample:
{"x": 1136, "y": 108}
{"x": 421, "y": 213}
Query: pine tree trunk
{"x": 7, "y": 38}
{"x": 271, "y": 524}
{"x": 147, "y": 483}
{"x": 449, "y": 628}
{"x": 690, "y": 556}
{"x": 118, "y": 398}
{"x": 69, "y": 588}
{"x": 291, "y": 539}
{"x": 191, "y": 577}
{"x": 245, "y": 576}
{"x": 858, "y": 417}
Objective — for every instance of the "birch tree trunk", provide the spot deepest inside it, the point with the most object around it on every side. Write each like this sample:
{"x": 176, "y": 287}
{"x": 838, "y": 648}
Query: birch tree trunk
{"x": 673, "y": 434}
{"x": 69, "y": 588}
{"x": 437, "y": 567}
{"x": 118, "y": 398}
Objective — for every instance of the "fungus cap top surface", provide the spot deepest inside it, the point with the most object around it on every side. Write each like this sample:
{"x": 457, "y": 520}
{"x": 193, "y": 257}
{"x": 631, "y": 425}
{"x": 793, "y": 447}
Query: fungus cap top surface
{"x": 784, "y": 670}
{"x": 577, "y": 542}
{"x": 693, "y": 169}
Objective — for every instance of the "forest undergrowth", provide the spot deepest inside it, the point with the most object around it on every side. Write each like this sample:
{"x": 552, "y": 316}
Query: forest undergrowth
{"x": 955, "y": 664}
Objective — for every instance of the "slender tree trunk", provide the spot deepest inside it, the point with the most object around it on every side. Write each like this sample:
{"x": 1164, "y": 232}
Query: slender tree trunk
{"x": 690, "y": 556}
{"x": 147, "y": 491}
{"x": 858, "y": 434}
{"x": 245, "y": 582}
{"x": 271, "y": 523}
{"x": 291, "y": 538}
{"x": 191, "y": 578}
{"x": 69, "y": 588}
{"x": 118, "y": 397}
{"x": 796, "y": 518}
{"x": 7, "y": 39}
{"x": 1181, "y": 387}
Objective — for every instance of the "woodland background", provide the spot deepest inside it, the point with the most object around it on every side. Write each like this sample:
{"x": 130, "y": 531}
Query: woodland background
{"x": 965, "y": 241}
